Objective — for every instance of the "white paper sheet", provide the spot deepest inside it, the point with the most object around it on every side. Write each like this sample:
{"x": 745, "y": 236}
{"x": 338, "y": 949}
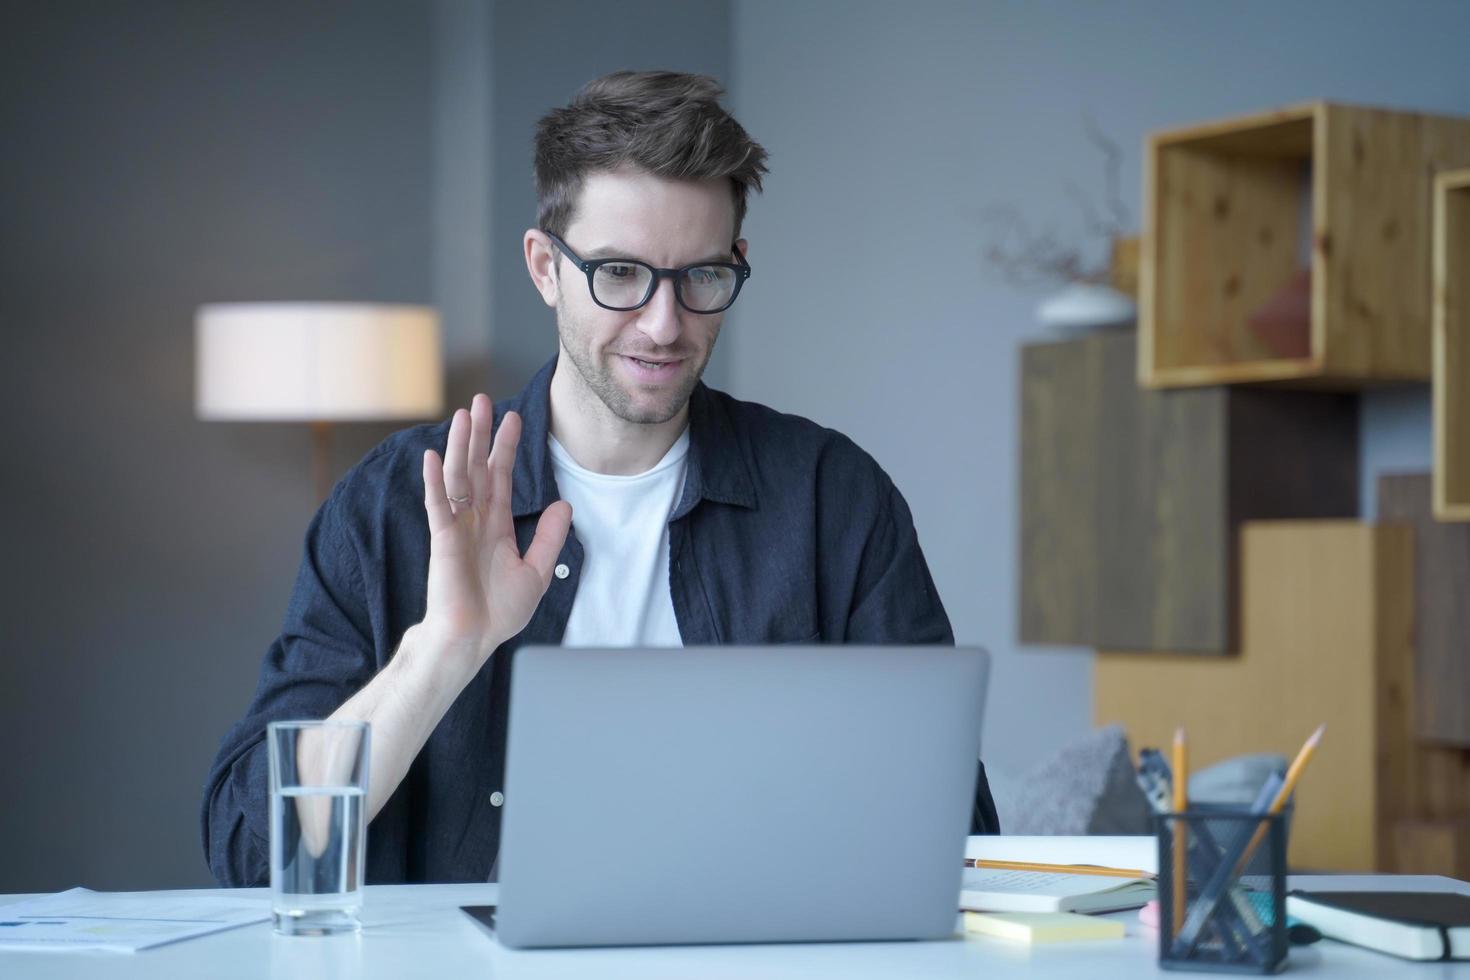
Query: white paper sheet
{"x": 81, "y": 919}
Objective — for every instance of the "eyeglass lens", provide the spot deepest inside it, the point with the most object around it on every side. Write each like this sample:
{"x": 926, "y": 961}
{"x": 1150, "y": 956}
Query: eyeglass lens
{"x": 703, "y": 289}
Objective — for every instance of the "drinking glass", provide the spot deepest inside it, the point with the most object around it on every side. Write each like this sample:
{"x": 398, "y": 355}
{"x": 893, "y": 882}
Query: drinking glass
{"x": 318, "y": 772}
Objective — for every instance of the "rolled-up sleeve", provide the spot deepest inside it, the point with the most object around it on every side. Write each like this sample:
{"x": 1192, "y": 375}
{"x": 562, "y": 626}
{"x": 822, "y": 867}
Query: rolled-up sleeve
{"x": 324, "y": 654}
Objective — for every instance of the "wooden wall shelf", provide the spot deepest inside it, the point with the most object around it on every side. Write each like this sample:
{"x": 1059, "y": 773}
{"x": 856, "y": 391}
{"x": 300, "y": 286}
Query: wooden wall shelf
{"x": 1235, "y": 211}
{"x": 1452, "y": 346}
{"x": 1131, "y": 499}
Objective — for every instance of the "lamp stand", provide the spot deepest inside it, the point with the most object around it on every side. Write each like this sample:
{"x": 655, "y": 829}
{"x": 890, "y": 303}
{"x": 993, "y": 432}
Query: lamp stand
{"x": 321, "y": 458}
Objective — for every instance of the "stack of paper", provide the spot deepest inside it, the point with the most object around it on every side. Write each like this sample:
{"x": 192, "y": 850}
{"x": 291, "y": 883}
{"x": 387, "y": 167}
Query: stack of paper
{"x": 118, "y": 922}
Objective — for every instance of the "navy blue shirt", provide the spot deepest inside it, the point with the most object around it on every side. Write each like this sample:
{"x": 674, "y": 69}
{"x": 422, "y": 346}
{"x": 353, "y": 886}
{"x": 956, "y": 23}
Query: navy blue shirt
{"x": 786, "y": 532}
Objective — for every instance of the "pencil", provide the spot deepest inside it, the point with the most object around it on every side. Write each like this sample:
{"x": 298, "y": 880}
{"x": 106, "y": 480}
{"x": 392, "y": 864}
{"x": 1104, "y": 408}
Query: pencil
{"x": 1071, "y": 869}
{"x": 1309, "y": 747}
{"x": 1181, "y": 803}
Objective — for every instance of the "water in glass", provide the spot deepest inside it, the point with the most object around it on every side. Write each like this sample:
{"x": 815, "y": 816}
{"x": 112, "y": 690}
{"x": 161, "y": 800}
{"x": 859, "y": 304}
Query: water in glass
{"x": 317, "y": 838}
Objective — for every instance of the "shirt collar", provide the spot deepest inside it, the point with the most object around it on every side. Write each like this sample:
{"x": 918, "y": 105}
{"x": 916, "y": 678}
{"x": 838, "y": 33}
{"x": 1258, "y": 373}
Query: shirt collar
{"x": 718, "y": 470}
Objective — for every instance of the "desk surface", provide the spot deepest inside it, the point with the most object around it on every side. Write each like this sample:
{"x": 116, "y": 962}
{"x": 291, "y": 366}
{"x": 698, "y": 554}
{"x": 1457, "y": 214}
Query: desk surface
{"x": 418, "y": 930}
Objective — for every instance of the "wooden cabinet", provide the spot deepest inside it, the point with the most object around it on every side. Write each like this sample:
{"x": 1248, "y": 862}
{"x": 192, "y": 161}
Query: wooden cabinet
{"x": 1441, "y": 609}
{"x": 1327, "y": 635}
{"x": 1327, "y": 617}
{"x": 1131, "y": 499}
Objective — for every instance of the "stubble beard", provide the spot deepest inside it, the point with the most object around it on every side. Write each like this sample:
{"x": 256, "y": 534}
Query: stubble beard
{"x": 598, "y": 377}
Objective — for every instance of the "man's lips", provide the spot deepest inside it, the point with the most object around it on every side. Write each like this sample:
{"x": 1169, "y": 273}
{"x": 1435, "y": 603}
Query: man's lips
{"x": 653, "y": 372}
{"x": 652, "y": 360}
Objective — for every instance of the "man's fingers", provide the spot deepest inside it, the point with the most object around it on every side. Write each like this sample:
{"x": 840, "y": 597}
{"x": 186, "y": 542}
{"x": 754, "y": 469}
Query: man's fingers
{"x": 456, "y": 453}
{"x": 502, "y": 461}
{"x": 436, "y": 503}
{"x": 551, "y": 534}
{"x": 482, "y": 420}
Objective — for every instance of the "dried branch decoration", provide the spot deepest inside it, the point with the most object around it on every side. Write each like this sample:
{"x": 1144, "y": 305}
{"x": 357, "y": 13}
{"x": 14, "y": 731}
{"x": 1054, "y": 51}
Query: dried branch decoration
{"x": 1027, "y": 258}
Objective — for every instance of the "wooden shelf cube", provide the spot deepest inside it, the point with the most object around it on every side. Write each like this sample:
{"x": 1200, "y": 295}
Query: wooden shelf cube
{"x": 1236, "y": 211}
{"x": 1131, "y": 499}
{"x": 1452, "y": 346}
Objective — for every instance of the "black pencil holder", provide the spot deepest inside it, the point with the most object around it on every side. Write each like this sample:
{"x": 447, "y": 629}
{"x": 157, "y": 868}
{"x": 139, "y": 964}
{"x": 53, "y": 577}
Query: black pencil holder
{"x": 1232, "y": 907}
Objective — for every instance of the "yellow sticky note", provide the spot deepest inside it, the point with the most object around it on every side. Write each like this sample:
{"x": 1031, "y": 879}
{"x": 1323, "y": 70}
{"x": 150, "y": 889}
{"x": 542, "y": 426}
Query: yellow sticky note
{"x": 1042, "y": 927}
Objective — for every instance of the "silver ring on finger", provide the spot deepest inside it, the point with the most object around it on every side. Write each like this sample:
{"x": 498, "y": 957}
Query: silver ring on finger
{"x": 460, "y": 501}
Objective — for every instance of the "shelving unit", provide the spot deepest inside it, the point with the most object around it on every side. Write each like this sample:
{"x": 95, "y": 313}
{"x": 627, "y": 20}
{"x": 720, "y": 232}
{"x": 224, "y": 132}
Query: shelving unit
{"x": 1235, "y": 211}
{"x": 1452, "y": 346}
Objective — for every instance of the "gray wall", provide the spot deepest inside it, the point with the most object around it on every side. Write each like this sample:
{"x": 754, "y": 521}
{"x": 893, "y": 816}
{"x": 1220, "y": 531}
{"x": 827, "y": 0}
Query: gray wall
{"x": 156, "y": 156}
{"x": 892, "y": 126}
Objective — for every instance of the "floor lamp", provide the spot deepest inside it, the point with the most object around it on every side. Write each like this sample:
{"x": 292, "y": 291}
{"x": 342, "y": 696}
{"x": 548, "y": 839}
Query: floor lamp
{"x": 318, "y": 363}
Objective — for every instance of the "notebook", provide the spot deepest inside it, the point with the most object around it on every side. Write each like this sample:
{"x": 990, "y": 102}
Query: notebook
{"x": 1042, "y": 927}
{"x": 989, "y": 890}
{"x": 1414, "y": 925}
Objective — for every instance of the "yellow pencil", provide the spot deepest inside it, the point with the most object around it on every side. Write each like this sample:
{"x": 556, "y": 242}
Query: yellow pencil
{"x": 1181, "y": 803}
{"x": 1287, "y": 786}
{"x": 1071, "y": 869}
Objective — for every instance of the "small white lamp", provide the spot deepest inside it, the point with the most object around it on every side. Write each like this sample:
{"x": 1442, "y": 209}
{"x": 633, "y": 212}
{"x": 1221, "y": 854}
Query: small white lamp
{"x": 317, "y": 363}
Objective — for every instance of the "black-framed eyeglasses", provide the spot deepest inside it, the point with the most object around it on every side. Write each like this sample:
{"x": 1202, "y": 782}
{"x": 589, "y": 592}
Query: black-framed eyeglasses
{"x": 628, "y": 284}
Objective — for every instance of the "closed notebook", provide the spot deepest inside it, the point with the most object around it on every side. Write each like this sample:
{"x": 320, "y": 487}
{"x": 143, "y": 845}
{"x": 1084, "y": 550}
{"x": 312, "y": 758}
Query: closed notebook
{"x": 1042, "y": 927}
{"x": 989, "y": 890}
{"x": 1414, "y": 925}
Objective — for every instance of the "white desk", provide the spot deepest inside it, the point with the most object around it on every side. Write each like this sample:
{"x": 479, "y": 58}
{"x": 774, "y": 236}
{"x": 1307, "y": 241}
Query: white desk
{"x": 418, "y": 931}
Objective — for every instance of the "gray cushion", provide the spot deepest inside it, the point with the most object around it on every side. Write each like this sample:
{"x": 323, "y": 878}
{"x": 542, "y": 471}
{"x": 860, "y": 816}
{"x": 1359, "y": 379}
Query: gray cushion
{"x": 1088, "y": 787}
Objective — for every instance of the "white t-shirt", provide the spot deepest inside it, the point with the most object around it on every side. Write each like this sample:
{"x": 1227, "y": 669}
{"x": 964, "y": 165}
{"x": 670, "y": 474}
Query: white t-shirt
{"x": 622, "y": 522}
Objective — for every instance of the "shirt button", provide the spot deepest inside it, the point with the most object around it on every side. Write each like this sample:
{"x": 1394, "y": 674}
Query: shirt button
{"x": 562, "y": 571}
{"x": 497, "y": 798}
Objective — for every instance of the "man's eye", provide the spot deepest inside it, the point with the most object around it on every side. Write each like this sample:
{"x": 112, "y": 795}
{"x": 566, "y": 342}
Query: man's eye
{"x": 704, "y": 276}
{"x": 619, "y": 270}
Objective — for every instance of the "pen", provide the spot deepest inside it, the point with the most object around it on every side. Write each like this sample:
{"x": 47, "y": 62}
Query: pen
{"x": 1153, "y": 779}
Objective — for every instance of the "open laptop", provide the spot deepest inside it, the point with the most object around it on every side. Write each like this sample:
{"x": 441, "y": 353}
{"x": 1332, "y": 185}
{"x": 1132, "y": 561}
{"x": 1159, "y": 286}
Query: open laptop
{"x": 737, "y": 794}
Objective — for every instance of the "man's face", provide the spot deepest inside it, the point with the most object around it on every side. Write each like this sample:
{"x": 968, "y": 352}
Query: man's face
{"x": 642, "y": 364}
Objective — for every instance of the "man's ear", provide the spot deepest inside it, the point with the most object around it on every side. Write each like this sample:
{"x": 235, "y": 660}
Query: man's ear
{"x": 743, "y": 247}
{"x": 541, "y": 264}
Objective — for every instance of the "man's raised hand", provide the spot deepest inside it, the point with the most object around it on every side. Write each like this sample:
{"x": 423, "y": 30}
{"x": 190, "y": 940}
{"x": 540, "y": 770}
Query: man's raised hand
{"x": 481, "y": 591}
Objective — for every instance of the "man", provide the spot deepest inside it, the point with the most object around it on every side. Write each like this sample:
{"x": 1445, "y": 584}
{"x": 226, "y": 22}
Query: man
{"x": 699, "y": 519}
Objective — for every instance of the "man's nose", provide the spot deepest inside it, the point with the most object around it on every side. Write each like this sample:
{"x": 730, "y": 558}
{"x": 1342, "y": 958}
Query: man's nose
{"x": 659, "y": 320}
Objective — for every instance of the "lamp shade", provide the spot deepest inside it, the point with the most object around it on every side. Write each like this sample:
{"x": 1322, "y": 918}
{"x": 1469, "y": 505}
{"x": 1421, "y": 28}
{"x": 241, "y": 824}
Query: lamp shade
{"x": 317, "y": 362}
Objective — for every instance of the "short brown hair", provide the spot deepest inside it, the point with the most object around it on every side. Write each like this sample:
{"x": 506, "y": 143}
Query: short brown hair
{"x": 662, "y": 122}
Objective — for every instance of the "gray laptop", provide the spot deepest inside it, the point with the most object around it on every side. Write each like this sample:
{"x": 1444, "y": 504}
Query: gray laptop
{"x": 737, "y": 794}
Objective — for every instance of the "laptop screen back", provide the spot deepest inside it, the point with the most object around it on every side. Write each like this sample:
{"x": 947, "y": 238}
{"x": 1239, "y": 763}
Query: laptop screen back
{"x": 737, "y": 794}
